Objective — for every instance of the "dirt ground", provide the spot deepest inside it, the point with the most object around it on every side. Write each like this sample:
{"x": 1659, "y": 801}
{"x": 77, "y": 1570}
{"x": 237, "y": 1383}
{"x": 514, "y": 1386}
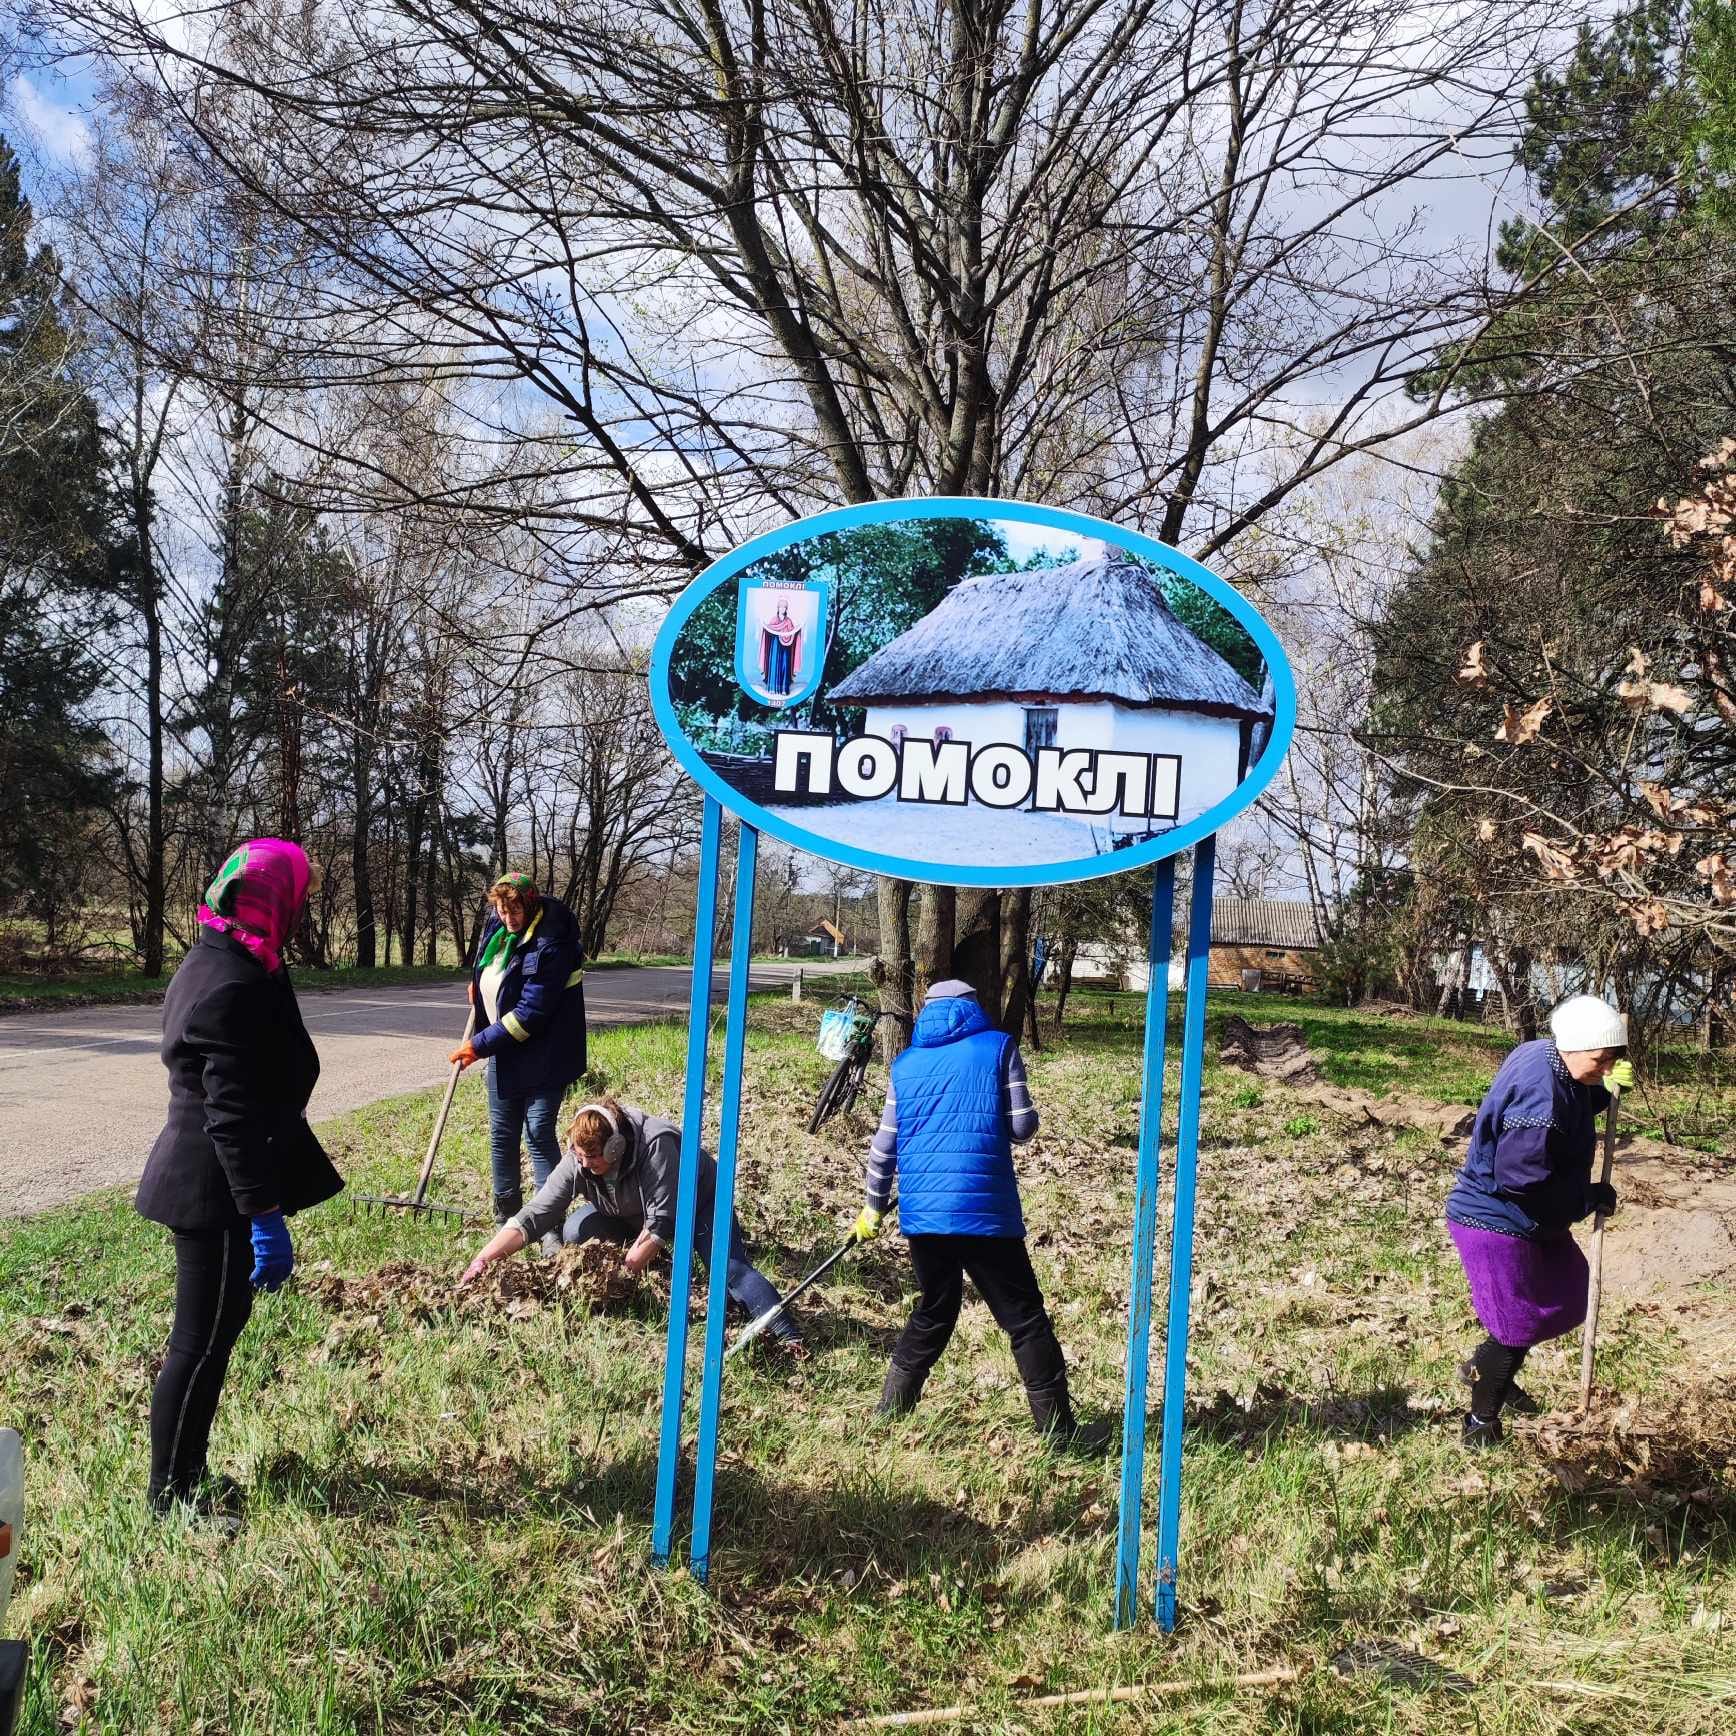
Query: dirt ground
{"x": 1670, "y": 1250}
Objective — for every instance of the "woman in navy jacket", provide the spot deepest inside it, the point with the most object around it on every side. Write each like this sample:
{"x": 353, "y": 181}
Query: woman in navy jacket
{"x": 527, "y": 989}
{"x": 236, "y": 1155}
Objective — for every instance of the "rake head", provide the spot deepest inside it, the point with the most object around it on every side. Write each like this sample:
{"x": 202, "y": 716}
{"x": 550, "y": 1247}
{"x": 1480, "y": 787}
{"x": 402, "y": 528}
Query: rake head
{"x": 383, "y": 1203}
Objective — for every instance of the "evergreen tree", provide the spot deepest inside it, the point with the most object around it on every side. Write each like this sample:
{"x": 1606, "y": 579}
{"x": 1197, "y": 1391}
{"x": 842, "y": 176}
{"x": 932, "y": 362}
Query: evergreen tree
{"x": 54, "y": 563}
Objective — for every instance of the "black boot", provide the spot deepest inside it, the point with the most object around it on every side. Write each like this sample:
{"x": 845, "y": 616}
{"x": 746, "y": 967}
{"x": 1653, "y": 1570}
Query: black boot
{"x": 212, "y": 1506}
{"x": 1481, "y": 1432}
{"x": 1052, "y": 1412}
{"x": 899, "y": 1395}
{"x": 507, "y": 1205}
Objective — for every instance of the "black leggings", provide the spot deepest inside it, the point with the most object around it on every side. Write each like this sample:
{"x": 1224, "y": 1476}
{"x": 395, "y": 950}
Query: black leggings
{"x": 213, "y": 1299}
{"x": 1494, "y": 1365}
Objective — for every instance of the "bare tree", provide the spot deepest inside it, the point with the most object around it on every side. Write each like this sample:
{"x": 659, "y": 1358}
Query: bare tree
{"x": 1107, "y": 255}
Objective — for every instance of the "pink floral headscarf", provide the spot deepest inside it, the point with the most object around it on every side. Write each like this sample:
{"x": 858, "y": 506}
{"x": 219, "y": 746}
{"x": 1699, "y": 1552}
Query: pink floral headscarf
{"x": 257, "y": 897}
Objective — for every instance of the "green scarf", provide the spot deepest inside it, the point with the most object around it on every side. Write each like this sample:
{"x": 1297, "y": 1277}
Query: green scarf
{"x": 503, "y": 940}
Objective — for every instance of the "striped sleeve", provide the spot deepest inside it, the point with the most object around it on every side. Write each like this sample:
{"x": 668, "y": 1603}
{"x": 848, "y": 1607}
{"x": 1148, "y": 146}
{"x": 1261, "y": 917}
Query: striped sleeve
{"x": 883, "y": 1154}
{"x": 1016, "y": 1098}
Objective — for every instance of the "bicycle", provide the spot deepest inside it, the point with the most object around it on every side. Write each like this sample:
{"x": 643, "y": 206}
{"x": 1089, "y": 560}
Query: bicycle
{"x": 847, "y": 1037}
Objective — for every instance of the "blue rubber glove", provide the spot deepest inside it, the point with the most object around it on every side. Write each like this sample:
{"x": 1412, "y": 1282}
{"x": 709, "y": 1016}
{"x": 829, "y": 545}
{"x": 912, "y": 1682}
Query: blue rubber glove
{"x": 273, "y": 1253}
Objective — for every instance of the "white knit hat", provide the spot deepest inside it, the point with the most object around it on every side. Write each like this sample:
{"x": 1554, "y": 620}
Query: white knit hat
{"x": 1585, "y": 1022}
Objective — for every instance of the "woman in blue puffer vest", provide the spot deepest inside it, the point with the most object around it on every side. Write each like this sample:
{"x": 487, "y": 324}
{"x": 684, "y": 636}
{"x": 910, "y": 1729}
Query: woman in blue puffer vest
{"x": 956, "y": 1105}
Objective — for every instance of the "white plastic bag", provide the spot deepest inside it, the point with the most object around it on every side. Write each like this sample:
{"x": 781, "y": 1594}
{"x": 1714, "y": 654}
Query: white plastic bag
{"x": 834, "y": 1038}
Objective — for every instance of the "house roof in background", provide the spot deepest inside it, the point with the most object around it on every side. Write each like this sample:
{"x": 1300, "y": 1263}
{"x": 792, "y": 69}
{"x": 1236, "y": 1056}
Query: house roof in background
{"x": 1097, "y": 629}
{"x": 1264, "y": 922}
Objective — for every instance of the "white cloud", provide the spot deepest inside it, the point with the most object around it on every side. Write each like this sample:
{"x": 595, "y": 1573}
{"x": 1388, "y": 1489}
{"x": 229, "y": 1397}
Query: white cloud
{"x": 58, "y": 131}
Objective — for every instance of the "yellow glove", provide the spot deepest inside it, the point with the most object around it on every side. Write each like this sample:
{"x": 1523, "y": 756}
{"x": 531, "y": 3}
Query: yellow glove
{"x": 867, "y": 1224}
{"x": 1620, "y": 1077}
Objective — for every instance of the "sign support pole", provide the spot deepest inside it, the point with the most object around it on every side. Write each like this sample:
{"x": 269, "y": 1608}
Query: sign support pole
{"x": 1187, "y": 1151}
{"x": 723, "y": 1210}
{"x": 1133, "y": 1417}
{"x": 687, "y": 1188}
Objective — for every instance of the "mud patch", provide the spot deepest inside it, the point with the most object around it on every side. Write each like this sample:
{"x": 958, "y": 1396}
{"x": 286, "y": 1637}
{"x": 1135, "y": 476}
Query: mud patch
{"x": 1446, "y": 1121}
{"x": 1666, "y": 1249}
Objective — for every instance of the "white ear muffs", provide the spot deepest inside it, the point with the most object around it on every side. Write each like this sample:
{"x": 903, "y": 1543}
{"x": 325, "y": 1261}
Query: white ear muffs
{"x": 615, "y": 1146}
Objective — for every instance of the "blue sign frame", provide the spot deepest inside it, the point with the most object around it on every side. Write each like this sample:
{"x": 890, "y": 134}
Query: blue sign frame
{"x": 1200, "y": 834}
{"x": 947, "y": 873}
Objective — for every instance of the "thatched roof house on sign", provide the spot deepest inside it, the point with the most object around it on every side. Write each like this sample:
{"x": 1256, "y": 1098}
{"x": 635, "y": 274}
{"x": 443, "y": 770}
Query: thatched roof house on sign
{"x": 1083, "y": 656}
{"x": 1097, "y": 629}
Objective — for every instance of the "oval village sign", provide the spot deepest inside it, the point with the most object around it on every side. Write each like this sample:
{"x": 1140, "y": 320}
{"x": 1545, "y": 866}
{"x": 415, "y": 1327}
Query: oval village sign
{"x": 974, "y": 692}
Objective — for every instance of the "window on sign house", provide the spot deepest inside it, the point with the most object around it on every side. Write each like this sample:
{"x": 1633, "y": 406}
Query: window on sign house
{"x": 1041, "y": 724}
{"x": 942, "y": 732}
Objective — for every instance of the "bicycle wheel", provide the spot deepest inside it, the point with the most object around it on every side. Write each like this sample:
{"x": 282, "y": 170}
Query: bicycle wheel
{"x": 831, "y": 1096}
{"x": 853, "y": 1085}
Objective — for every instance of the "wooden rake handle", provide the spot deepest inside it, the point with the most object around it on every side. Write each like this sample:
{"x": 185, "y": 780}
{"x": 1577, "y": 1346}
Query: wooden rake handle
{"x": 440, "y": 1119}
{"x": 1594, "y": 1292}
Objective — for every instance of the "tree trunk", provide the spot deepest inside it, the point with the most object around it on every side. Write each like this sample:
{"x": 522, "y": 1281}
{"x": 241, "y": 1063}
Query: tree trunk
{"x": 1016, "y": 960}
{"x": 363, "y": 889}
{"x": 894, "y": 969}
{"x": 413, "y": 824}
{"x": 1513, "y": 972}
{"x": 937, "y": 912}
{"x": 976, "y": 947}
{"x": 431, "y": 891}
{"x": 1064, "y": 976}
{"x": 156, "y": 889}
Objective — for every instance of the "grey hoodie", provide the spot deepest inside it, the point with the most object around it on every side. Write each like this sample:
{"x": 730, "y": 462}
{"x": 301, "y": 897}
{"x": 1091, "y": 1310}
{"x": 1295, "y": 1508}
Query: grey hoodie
{"x": 640, "y": 1189}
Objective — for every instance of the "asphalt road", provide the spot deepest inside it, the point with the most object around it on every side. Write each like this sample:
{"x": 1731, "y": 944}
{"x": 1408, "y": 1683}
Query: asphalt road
{"x": 82, "y": 1093}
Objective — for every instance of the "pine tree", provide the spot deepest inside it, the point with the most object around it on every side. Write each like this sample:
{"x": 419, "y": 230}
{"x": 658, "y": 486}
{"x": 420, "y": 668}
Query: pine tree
{"x": 54, "y": 561}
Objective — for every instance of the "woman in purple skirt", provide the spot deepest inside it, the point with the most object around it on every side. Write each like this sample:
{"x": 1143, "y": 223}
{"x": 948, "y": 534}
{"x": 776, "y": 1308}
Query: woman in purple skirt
{"x": 1525, "y": 1180}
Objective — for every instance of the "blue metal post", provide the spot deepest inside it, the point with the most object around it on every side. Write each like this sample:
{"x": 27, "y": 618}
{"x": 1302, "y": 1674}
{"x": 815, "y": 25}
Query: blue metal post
{"x": 723, "y": 1213}
{"x": 1187, "y": 1151}
{"x": 1144, "y": 1251}
{"x": 687, "y": 1190}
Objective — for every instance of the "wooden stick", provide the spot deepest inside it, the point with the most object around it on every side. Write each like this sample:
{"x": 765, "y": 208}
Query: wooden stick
{"x": 1084, "y": 1697}
{"x": 1594, "y": 1294}
{"x": 440, "y": 1120}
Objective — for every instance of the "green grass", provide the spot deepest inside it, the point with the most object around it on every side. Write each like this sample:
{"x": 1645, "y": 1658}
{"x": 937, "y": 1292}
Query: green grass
{"x": 449, "y": 1517}
{"x": 1684, "y": 1096}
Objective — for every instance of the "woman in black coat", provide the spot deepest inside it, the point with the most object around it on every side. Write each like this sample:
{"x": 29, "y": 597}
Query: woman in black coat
{"x": 236, "y": 1156}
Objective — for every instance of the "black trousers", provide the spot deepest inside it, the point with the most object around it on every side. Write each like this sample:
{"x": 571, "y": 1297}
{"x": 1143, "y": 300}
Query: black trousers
{"x": 213, "y": 1299}
{"x": 1000, "y": 1268}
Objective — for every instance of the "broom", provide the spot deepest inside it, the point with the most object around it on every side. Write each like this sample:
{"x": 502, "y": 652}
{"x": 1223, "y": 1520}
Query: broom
{"x": 419, "y": 1201}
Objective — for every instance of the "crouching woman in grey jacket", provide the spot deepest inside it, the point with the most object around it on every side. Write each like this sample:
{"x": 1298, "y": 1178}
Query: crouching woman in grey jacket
{"x": 616, "y": 1182}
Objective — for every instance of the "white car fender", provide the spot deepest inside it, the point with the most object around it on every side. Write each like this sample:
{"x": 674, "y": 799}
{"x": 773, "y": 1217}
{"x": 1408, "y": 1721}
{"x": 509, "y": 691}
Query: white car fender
{"x": 11, "y": 1513}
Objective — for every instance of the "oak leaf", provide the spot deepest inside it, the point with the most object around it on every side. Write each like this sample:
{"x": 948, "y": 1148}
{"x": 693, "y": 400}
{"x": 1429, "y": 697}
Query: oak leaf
{"x": 1472, "y": 673}
{"x": 1649, "y": 916}
{"x": 1518, "y": 727}
{"x": 1556, "y": 864}
{"x": 1719, "y": 871}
